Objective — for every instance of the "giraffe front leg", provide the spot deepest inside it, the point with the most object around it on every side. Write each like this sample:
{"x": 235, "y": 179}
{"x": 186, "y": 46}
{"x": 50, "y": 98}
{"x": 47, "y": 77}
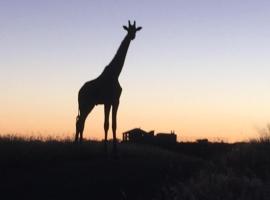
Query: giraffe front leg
{"x": 114, "y": 124}
{"x": 107, "y": 109}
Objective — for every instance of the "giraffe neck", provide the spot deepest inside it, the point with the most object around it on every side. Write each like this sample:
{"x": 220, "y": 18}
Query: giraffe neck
{"x": 115, "y": 67}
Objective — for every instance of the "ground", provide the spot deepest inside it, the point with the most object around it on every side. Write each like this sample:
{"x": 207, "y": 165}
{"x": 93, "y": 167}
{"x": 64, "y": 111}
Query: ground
{"x": 35, "y": 169}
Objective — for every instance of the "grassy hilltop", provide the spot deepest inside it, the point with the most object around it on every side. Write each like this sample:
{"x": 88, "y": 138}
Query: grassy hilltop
{"x": 35, "y": 169}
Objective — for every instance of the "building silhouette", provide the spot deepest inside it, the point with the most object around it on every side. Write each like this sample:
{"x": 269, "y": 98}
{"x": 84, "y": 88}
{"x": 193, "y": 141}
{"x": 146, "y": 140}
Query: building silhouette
{"x": 138, "y": 135}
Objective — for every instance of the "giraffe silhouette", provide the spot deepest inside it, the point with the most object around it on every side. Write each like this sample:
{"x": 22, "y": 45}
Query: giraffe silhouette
{"x": 105, "y": 89}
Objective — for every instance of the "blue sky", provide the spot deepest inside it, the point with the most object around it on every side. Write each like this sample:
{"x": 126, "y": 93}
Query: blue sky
{"x": 200, "y": 68}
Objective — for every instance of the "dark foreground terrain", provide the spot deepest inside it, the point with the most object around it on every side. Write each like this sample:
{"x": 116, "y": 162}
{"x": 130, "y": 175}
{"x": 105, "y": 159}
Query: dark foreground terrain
{"x": 32, "y": 169}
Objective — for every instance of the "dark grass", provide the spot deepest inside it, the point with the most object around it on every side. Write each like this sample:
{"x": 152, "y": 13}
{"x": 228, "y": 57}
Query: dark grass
{"x": 51, "y": 169}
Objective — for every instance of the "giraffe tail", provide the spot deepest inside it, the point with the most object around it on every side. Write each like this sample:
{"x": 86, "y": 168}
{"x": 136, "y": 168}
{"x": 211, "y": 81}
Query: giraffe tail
{"x": 78, "y": 116}
{"x": 77, "y": 126}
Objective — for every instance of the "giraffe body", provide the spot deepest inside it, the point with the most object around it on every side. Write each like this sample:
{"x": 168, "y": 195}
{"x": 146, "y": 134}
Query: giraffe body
{"x": 105, "y": 90}
{"x": 99, "y": 91}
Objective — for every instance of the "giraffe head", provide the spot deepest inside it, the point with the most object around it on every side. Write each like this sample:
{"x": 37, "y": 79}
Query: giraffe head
{"x": 132, "y": 29}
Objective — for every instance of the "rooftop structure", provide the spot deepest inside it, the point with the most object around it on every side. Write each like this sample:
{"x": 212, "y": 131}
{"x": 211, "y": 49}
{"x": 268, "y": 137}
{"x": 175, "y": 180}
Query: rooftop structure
{"x": 138, "y": 135}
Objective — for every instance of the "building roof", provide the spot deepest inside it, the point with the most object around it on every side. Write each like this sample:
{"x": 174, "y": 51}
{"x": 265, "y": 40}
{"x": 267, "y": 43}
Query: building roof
{"x": 135, "y": 130}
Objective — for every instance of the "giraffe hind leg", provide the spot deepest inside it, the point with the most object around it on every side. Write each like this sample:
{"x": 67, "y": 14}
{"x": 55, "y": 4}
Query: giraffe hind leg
{"x": 79, "y": 128}
{"x": 80, "y": 121}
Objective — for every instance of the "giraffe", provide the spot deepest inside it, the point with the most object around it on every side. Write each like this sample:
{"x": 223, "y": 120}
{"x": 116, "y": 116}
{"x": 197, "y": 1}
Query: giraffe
{"x": 105, "y": 89}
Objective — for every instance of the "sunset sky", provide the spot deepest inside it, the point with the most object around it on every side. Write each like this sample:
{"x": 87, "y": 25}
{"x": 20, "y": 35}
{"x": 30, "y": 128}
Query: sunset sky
{"x": 200, "y": 68}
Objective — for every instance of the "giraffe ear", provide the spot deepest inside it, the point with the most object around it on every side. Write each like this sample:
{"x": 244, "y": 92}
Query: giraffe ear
{"x": 139, "y": 28}
{"x": 126, "y": 28}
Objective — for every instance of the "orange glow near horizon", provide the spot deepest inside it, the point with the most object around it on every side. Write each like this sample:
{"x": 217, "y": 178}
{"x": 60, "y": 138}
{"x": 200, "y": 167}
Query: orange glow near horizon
{"x": 200, "y": 69}
{"x": 188, "y": 124}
